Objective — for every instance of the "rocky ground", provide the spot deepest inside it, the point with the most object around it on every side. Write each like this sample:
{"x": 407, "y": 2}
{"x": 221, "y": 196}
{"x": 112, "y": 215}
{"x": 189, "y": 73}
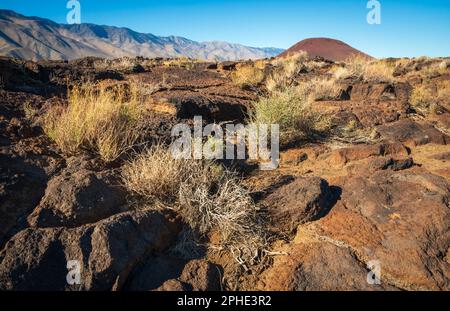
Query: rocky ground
{"x": 380, "y": 193}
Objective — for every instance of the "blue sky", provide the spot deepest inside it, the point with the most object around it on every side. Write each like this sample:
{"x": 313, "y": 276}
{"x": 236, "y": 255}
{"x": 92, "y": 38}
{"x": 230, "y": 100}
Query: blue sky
{"x": 408, "y": 28}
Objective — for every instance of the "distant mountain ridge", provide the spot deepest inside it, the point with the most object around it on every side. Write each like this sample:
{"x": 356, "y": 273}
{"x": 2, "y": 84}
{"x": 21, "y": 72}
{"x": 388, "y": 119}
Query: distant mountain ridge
{"x": 37, "y": 38}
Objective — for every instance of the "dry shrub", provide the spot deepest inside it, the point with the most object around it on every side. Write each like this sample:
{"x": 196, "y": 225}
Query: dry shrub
{"x": 181, "y": 62}
{"x": 443, "y": 89}
{"x": 247, "y": 75}
{"x": 445, "y": 64}
{"x": 323, "y": 89}
{"x": 119, "y": 64}
{"x": 277, "y": 81}
{"x": 422, "y": 98}
{"x": 379, "y": 71}
{"x": 426, "y": 97}
{"x": 361, "y": 68}
{"x": 291, "y": 110}
{"x": 261, "y": 63}
{"x": 207, "y": 197}
{"x": 98, "y": 118}
{"x": 434, "y": 70}
{"x": 286, "y": 68}
{"x": 425, "y": 67}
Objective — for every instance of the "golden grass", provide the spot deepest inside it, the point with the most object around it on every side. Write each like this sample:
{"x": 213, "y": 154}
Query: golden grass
{"x": 361, "y": 68}
{"x": 323, "y": 89}
{"x": 277, "y": 81}
{"x": 181, "y": 62}
{"x": 425, "y": 97}
{"x": 423, "y": 67}
{"x": 291, "y": 109}
{"x": 207, "y": 197}
{"x": 119, "y": 64}
{"x": 247, "y": 75}
{"x": 286, "y": 68}
{"x": 98, "y": 118}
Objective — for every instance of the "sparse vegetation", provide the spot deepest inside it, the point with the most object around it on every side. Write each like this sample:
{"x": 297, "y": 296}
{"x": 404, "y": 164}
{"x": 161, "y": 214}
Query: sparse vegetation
{"x": 285, "y": 71}
{"x": 425, "y": 98}
{"x": 247, "y": 75}
{"x": 361, "y": 68}
{"x": 323, "y": 89}
{"x": 123, "y": 64}
{"x": 206, "y": 195}
{"x": 182, "y": 62}
{"x": 96, "y": 118}
{"x": 424, "y": 67}
{"x": 291, "y": 109}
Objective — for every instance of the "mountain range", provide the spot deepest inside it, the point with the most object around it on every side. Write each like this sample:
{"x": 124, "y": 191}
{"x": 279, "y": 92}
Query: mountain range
{"x": 36, "y": 38}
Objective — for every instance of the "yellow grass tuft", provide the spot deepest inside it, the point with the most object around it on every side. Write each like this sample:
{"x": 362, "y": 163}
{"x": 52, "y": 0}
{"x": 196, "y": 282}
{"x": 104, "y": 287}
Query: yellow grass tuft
{"x": 247, "y": 75}
{"x": 98, "y": 118}
{"x": 426, "y": 97}
{"x": 291, "y": 109}
{"x": 361, "y": 68}
{"x": 286, "y": 69}
{"x": 206, "y": 196}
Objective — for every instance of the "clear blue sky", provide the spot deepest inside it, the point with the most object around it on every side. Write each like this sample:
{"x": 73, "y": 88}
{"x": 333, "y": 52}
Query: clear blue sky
{"x": 408, "y": 28}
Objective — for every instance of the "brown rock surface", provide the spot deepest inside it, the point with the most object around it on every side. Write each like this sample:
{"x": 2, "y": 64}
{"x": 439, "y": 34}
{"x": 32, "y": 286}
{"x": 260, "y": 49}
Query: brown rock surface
{"x": 401, "y": 219}
{"x": 413, "y": 133}
{"x": 36, "y": 259}
{"x": 75, "y": 198}
{"x": 300, "y": 201}
{"x": 376, "y": 188}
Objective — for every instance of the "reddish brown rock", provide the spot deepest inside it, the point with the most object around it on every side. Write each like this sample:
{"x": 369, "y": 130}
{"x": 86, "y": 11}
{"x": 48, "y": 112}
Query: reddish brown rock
{"x": 302, "y": 200}
{"x": 173, "y": 286}
{"x": 413, "y": 133}
{"x": 318, "y": 266}
{"x": 380, "y": 91}
{"x": 77, "y": 197}
{"x": 36, "y": 259}
{"x": 201, "y": 276}
{"x": 400, "y": 219}
{"x": 344, "y": 155}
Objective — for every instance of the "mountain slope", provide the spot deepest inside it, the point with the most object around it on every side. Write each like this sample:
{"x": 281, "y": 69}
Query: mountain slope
{"x": 37, "y": 38}
{"x": 331, "y": 49}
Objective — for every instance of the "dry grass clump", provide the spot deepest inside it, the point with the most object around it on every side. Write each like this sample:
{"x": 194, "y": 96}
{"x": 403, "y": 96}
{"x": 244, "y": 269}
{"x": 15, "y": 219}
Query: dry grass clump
{"x": 285, "y": 71}
{"x": 291, "y": 109}
{"x": 208, "y": 198}
{"x": 426, "y": 98}
{"x": 424, "y": 67}
{"x": 443, "y": 88}
{"x": 123, "y": 64}
{"x": 379, "y": 71}
{"x": 434, "y": 70}
{"x": 422, "y": 98}
{"x": 97, "y": 118}
{"x": 181, "y": 62}
{"x": 247, "y": 75}
{"x": 323, "y": 89}
{"x": 445, "y": 64}
{"x": 361, "y": 68}
{"x": 278, "y": 81}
